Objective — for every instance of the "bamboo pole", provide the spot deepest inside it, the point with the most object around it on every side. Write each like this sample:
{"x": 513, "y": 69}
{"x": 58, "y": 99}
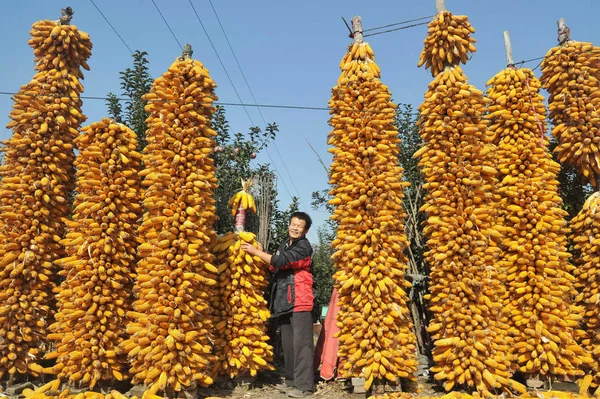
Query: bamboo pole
{"x": 440, "y": 6}
{"x": 507, "y": 45}
{"x": 564, "y": 33}
{"x": 357, "y": 29}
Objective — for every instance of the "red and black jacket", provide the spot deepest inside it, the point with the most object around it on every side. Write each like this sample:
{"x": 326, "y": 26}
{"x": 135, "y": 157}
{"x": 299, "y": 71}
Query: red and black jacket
{"x": 293, "y": 288}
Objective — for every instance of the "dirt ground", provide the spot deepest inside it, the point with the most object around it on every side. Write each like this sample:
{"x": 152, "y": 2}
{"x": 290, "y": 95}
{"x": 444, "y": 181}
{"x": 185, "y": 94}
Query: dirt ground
{"x": 263, "y": 388}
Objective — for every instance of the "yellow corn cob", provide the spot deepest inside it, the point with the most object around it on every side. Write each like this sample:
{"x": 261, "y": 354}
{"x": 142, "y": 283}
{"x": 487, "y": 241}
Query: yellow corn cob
{"x": 534, "y": 229}
{"x": 448, "y": 42}
{"x": 101, "y": 245}
{"x": 176, "y": 278}
{"x": 243, "y": 199}
{"x": 376, "y": 338}
{"x": 457, "y": 162}
{"x": 36, "y": 181}
{"x": 571, "y": 74}
{"x": 584, "y": 234}
{"x": 241, "y": 308}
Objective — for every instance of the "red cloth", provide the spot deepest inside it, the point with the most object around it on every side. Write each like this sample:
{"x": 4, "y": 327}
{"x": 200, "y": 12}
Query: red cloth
{"x": 326, "y": 352}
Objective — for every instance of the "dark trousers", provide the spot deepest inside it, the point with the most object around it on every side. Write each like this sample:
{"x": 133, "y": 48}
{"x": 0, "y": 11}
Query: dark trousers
{"x": 298, "y": 349}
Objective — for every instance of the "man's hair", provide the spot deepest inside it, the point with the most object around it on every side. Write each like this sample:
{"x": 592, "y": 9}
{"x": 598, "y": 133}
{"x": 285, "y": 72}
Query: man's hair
{"x": 302, "y": 216}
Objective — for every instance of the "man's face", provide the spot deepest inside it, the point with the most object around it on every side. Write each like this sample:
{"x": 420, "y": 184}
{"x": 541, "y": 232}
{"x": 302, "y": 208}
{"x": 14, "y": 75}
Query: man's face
{"x": 297, "y": 228}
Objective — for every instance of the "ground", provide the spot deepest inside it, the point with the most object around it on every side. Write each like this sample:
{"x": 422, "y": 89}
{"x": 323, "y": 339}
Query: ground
{"x": 263, "y": 388}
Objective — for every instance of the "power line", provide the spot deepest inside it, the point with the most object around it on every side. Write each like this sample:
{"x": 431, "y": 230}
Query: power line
{"x": 113, "y": 28}
{"x": 531, "y": 60}
{"x": 395, "y": 29}
{"x": 166, "y": 23}
{"x": 255, "y": 102}
{"x": 398, "y": 23}
{"x": 37, "y": 95}
{"x": 220, "y": 61}
{"x": 235, "y": 89}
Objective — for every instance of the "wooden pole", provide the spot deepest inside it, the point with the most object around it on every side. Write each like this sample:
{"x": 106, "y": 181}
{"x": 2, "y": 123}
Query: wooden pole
{"x": 440, "y": 6}
{"x": 508, "y": 47}
{"x": 564, "y": 33}
{"x": 357, "y": 29}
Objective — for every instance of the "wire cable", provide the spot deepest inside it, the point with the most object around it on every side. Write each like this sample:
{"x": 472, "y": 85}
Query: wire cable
{"x": 255, "y": 102}
{"x": 166, "y": 23}
{"x": 330, "y": 110}
{"x": 395, "y": 29}
{"x": 111, "y": 25}
{"x": 398, "y": 23}
{"x": 235, "y": 89}
{"x": 220, "y": 61}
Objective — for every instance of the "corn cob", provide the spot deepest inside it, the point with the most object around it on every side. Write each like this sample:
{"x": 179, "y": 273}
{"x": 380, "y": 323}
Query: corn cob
{"x": 376, "y": 335}
{"x": 36, "y": 181}
{"x": 585, "y": 236}
{"x": 243, "y": 200}
{"x": 94, "y": 296}
{"x": 448, "y": 42}
{"x": 468, "y": 327}
{"x": 534, "y": 248}
{"x": 242, "y": 310}
{"x": 571, "y": 74}
{"x": 170, "y": 329}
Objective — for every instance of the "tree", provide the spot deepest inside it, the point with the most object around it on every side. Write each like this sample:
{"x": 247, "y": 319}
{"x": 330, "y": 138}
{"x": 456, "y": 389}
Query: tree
{"x": 135, "y": 82}
{"x": 410, "y": 142}
{"x": 572, "y": 190}
{"x": 323, "y": 265}
{"x": 232, "y": 156}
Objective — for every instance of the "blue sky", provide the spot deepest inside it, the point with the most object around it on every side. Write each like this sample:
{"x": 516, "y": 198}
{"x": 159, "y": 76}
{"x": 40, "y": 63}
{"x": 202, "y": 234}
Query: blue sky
{"x": 290, "y": 53}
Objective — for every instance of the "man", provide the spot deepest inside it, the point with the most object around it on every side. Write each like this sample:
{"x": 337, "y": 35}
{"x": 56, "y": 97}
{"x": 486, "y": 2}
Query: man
{"x": 292, "y": 302}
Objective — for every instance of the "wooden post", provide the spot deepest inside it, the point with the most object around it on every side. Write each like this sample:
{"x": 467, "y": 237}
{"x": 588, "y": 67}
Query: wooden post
{"x": 357, "y": 29}
{"x": 508, "y": 47}
{"x": 440, "y": 6}
{"x": 564, "y": 33}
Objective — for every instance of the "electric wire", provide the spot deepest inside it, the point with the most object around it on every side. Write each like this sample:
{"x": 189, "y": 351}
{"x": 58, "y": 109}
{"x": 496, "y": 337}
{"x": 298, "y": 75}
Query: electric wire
{"x": 330, "y": 110}
{"x": 395, "y": 29}
{"x": 399, "y": 23}
{"x": 166, "y": 23}
{"x": 220, "y": 60}
{"x": 255, "y": 102}
{"x": 113, "y": 28}
{"x": 236, "y": 92}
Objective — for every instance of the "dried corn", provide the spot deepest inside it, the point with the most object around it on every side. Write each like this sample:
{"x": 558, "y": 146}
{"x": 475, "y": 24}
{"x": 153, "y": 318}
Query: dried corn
{"x": 534, "y": 247}
{"x": 448, "y": 42}
{"x": 170, "y": 330}
{"x": 571, "y": 74}
{"x": 585, "y": 235}
{"x": 376, "y": 338}
{"x": 37, "y": 180}
{"x": 98, "y": 274}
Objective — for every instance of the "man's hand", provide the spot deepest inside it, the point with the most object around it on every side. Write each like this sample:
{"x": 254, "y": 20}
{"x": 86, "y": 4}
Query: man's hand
{"x": 249, "y": 248}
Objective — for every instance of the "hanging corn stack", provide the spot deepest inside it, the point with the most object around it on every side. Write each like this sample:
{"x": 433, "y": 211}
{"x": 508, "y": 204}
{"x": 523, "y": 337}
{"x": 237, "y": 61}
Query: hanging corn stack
{"x": 571, "y": 74}
{"x": 241, "y": 321}
{"x": 170, "y": 330}
{"x": 98, "y": 274}
{"x": 585, "y": 235}
{"x": 376, "y": 338}
{"x": 468, "y": 326}
{"x": 37, "y": 179}
{"x": 448, "y": 42}
{"x": 534, "y": 249}
{"x": 242, "y": 201}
